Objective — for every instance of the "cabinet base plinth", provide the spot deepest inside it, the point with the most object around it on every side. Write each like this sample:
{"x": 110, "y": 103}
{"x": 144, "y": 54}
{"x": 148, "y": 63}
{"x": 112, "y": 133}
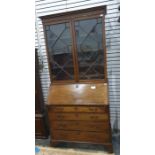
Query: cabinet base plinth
{"x": 108, "y": 147}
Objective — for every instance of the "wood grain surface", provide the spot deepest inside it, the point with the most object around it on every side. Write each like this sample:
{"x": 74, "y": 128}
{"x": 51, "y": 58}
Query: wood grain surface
{"x": 98, "y": 137}
{"x": 78, "y": 94}
{"x": 80, "y": 125}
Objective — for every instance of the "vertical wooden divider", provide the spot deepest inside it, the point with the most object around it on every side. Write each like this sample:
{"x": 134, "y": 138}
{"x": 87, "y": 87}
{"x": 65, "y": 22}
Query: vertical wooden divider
{"x": 74, "y": 51}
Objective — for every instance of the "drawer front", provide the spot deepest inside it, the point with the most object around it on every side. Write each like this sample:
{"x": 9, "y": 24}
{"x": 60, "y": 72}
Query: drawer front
{"x": 79, "y": 125}
{"x": 96, "y": 137}
{"x": 78, "y": 116}
{"x": 96, "y": 109}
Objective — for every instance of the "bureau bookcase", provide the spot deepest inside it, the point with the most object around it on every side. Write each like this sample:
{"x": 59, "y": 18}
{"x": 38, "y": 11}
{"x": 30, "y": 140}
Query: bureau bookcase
{"x": 78, "y": 107}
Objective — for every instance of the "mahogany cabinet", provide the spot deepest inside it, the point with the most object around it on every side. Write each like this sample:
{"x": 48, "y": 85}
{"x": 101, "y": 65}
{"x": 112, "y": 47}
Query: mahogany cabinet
{"x": 78, "y": 107}
{"x": 41, "y": 130}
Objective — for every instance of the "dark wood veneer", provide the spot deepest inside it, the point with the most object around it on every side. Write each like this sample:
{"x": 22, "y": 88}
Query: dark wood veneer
{"x": 40, "y": 120}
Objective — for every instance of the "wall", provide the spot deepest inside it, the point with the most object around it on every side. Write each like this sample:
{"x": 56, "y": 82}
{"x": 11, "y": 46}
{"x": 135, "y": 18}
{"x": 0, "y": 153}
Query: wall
{"x": 47, "y": 7}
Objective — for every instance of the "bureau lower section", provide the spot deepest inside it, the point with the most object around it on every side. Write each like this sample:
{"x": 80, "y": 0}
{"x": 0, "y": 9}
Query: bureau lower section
{"x": 87, "y": 124}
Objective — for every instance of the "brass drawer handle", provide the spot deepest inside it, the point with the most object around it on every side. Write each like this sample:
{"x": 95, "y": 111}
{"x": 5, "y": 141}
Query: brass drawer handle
{"x": 62, "y": 125}
{"x": 75, "y": 108}
{"x": 59, "y": 108}
{"x": 60, "y": 116}
{"x": 94, "y": 117}
{"x": 93, "y": 109}
{"x": 102, "y": 109}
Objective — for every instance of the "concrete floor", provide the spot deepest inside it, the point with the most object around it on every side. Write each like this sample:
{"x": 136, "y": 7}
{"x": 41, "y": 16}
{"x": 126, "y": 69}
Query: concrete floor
{"x": 84, "y": 147}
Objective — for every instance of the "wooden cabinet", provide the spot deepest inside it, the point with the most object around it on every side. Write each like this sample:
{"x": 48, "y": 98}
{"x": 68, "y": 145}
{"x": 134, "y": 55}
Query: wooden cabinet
{"x": 78, "y": 107}
{"x": 40, "y": 117}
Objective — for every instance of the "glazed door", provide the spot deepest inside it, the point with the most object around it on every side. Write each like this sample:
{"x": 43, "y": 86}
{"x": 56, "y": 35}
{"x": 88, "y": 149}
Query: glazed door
{"x": 76, "y": 49}
{"x": 59, "y": 46}
{"x": 89, "y": 41}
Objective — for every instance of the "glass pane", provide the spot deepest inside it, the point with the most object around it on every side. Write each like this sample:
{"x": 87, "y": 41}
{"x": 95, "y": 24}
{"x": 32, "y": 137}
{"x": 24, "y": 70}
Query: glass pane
{"x": 59, "y": 47}
{"x": 90, "y": 48}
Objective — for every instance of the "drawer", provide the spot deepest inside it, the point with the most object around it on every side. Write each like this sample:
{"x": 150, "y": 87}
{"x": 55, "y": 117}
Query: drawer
{"x": 98, "y": 109}
{"x": 80, "y": 125}
{"x": 78, "y": 116}
{"x": 96, "y": 137}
